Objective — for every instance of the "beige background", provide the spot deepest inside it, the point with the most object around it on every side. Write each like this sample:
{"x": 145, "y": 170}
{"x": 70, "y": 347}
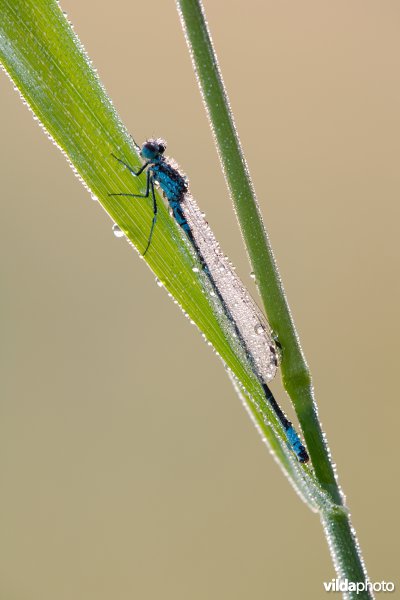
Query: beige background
{"x": 121, "y": 477}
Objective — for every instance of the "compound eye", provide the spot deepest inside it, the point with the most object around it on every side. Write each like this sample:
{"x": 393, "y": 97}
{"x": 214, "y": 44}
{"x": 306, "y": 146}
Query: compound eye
{"x": 150, "y": 146}
{"x": 161, "y": 148}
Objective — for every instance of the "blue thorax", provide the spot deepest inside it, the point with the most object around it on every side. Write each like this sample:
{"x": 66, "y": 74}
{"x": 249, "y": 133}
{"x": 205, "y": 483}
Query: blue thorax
{"x": 173, "y": 184}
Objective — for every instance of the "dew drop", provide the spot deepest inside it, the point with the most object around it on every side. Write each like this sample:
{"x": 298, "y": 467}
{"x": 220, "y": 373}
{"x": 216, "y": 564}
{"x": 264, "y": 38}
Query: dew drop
{"x": 159, "y": 282}
{"x": 253, "y": 275}
{"x": 117, "y": 231}
{"x": 195, "y": 269}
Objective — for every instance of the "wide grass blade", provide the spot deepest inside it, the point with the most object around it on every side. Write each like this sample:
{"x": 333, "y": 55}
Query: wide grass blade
{"x": 48, "y": 65}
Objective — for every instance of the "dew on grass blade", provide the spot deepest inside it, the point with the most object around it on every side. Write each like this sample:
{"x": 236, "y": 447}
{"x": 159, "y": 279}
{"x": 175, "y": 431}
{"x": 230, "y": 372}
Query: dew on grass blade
{"x": 117, "y": 231}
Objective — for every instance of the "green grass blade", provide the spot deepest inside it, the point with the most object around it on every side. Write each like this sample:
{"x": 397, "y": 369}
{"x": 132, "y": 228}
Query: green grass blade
{"x": 295, "y": 372}
{"x": 48, "y": 65}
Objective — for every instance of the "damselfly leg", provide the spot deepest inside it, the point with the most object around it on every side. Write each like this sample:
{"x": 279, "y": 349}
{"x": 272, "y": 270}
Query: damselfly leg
{"x": 149, "y": 187}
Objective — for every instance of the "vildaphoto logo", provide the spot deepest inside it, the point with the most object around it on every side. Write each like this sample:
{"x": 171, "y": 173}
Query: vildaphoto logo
{"x": 344, "y": 585}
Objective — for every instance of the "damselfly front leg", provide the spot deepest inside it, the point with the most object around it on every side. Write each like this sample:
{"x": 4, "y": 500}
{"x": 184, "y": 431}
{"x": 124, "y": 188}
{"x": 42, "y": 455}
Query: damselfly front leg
{"x": 135, "y": 173}
{"x": 149, "y": 187}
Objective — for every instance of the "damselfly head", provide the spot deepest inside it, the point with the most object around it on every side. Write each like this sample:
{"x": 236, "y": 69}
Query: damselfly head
{"x": 153, "y": 149}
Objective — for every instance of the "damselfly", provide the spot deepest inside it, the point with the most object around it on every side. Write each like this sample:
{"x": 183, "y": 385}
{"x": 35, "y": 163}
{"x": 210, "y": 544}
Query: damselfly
{"x": 249, "y": 324}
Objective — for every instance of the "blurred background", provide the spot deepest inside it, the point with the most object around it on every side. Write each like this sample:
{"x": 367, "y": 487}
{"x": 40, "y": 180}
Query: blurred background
{"x": 120, "y": 480}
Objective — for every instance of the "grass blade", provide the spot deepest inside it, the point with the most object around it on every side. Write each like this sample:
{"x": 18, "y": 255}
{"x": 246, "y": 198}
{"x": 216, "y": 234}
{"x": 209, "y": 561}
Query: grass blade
{"x": 295, "y": 372}
{"x": 48, "y": 65}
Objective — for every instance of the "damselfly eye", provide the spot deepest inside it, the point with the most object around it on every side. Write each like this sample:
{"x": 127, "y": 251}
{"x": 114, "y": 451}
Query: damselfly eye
{"x": 149, "y": 150}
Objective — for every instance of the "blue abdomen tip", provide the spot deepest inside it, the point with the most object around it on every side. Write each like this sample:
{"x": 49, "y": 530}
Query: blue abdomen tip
{"x": 296, "y": 444}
